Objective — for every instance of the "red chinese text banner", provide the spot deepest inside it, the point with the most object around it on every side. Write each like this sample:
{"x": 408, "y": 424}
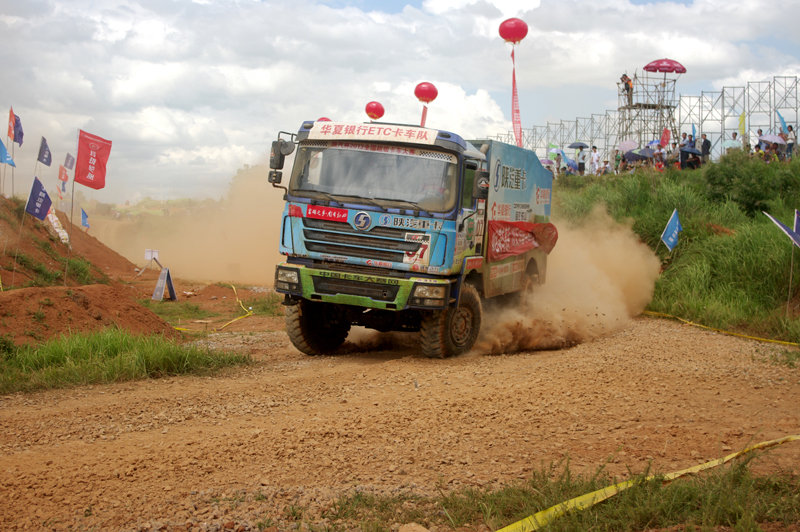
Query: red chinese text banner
{"x": 507, "y": 239}
{"x": 90, "y": 164}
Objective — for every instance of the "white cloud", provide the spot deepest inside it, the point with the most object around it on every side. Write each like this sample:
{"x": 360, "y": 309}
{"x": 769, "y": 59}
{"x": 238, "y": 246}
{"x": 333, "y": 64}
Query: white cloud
{"x": 190, "y": 91}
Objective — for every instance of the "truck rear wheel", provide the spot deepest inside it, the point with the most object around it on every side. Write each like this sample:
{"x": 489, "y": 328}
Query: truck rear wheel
{"x": 316, "y": 328}
{"x": 452, "y": 331}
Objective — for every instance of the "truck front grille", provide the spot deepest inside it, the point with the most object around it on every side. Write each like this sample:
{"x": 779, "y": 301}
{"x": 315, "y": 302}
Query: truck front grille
{"x": 378, "y": 292}
{"x": 339, "y": 238}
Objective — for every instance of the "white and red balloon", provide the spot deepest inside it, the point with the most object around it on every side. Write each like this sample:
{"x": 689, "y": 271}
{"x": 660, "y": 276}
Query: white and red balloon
{"x": 425, "y": 93}
{"x": 513, "y": 31}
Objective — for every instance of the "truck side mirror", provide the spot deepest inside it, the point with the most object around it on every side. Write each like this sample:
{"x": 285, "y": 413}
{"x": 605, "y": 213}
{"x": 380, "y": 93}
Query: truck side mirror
{"x": 280, "y": 149}
{"x": 481, "y": 188}
{"x": 275, "y": 177}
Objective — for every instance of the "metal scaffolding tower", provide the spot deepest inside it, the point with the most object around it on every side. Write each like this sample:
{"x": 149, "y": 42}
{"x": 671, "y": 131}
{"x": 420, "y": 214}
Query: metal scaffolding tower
{"x": 654, "y": 106}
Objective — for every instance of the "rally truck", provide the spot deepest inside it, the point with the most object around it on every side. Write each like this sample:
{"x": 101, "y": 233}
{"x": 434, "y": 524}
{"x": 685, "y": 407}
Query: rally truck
{"x": 402, "y": 228}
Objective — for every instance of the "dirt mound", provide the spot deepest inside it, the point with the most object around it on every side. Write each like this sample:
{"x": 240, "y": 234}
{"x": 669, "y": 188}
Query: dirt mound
{"x": 104, "y": 258}
{"x": 31, "y": 315}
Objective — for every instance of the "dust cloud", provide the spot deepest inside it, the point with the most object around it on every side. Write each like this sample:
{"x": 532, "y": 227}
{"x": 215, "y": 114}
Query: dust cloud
{"x": 234, "y": 240}
{"x": 599, "y": 275}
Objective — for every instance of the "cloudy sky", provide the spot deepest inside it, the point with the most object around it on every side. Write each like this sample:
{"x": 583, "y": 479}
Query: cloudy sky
{"x": 190, "y": 91}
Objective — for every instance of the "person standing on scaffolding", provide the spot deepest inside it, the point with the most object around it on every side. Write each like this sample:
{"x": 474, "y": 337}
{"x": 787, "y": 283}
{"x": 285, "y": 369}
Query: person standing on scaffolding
{"x": 627, "y": 87}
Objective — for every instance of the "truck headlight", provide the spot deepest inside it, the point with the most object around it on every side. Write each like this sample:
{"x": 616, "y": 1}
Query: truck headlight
{"x": 427, "y": 291}
{"x": 287, "y": 280}
{"x": 287, "y": 276}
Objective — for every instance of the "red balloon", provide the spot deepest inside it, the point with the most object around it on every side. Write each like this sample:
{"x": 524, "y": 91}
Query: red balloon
{"x": 323, "y": 119}
{"x": 513, "y": 30}
{"x": 426, "y": 92}
{"x": 374, "y": 110}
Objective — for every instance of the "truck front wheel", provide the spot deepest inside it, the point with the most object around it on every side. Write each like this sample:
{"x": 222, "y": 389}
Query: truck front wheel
{"x": 316, "y": 328}
{"x": 452, "y": 331}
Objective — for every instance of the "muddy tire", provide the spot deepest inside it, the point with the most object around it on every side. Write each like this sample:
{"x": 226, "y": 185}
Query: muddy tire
{"x": 316, "y": 328}
{"x": 452, "y": 331}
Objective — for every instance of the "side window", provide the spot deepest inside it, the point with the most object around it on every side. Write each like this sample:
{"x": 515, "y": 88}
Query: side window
{"x": 469, "y": 182}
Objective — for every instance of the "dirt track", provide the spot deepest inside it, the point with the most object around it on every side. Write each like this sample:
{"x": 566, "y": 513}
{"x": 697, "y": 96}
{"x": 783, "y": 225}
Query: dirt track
{"x": 301, "y": 430}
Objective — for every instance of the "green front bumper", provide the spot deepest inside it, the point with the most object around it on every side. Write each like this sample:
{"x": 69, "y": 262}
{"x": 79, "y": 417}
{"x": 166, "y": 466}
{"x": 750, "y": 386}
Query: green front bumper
{"x": 368, "y": 291}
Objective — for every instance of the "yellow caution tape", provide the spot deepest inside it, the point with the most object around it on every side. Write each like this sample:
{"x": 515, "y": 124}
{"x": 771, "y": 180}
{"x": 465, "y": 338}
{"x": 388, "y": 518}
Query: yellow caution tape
{"x": 661, "y": 315}
{"x": 248, "y": 313}
{"x": 540, "y": 519}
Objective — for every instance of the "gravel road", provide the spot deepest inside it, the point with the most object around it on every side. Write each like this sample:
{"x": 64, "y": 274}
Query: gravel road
{"x": 230, "y": 451}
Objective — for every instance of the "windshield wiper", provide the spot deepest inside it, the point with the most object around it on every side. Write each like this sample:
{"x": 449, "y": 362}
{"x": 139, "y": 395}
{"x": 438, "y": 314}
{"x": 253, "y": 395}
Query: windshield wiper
{"x": 414, "y": 206}
{"x": 361, "y": 198}
{"x": 326, "y": 195}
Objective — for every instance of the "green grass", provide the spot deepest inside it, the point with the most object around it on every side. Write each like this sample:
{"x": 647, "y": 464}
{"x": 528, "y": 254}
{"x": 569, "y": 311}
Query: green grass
{"x": 269, "y": 305}
{"x": 172, "y": 311}
{"x": 730, "y": 269}
{"x": 111, "y": 355}
{"x": 728, "y": 496}
{"x": 42, "y": 276}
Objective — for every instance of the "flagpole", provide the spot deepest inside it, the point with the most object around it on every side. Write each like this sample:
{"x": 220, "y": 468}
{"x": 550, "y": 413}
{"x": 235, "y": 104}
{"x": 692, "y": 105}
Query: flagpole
{"x": 12, "y": 170}
{"x": 791, "y": 271}
{"x": 69, "y": 246}
{"x": 19, "y": 239}
{"x": 3, "y": 185}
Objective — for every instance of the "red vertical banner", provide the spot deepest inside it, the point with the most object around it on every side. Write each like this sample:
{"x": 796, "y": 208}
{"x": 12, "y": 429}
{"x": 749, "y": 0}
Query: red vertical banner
{"x": 515, "y": 102}
{"x": 665, "y": 135}
{"x": 90, "y": 164}
{"x": 11, "y": 124}
{"x": 62, "y": 174}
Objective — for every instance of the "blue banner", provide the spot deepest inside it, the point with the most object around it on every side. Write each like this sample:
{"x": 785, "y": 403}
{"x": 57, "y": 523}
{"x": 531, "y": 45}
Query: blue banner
{"x": 5, "y": 157}
{"x": 670, "y": 234}
{"x": 39, "y": 201}
{"x": 69, "y": 162}
{"x": 783, "y": 122}
{"x": 791, "y": 234}
{"x": 84, "y": 219}
{"x": 63, "y": 186}
{"x": 18, "y": 133}
{"x": 45, "y": 157}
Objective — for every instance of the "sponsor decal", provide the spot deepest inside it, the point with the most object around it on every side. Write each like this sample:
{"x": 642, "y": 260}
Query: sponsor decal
{"x": 379, "y": 263}
{"x": 433, "y": 269}
{"x": 474, "y": 263}
{"x": 420, "y": 256}
{"x": 498, "y": 170}
{"x": 480, "y": 225}
{"x": 326, "y": 213}
{"x": 362, "y": 221}
{"x": 500, "y": 211}
{"x": 385, "y": 220}
{"x": 522, "y": 212}
{"x": 418, "y": 237}
{"x": 507, "y": 239}
{"x": 481, "y": 206}
{"x": 542, "y": 196}
{"x": 356, "y": 277}
{"x": 367, "y": 132}
{"x": 414, "y": 223}
{"x": 333, "y": 258}
{"x": 513, "y": 178}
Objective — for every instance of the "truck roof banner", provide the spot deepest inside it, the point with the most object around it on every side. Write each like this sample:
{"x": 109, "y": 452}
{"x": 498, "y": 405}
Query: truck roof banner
{"x": 507, "y": 239}
{"x": 372, "y": 132}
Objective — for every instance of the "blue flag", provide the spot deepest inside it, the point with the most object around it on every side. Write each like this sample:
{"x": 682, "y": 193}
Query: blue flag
{"x": 791, "y": 234}
{"x": 783, "y": 122}
{"x": 5, "y": 157}
{"x": 694, "y": 132}
{"x": 45, "y": 157}
{"x": 84, "y": 219}
{"x": 63, "y": 186}
{"x": 670, "y": 234}
{"x": 18, "y": 133}
{"x": 39, "y": 201}
{"x": 69, "y": 162}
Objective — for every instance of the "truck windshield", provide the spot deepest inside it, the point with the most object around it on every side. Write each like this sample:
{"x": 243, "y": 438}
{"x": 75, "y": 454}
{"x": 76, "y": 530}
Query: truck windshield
{"x": 423, "y": 177}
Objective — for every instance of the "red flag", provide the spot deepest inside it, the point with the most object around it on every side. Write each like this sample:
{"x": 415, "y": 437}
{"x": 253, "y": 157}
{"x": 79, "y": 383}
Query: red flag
{"x": 11, "y": 123}
{"x": 665, "y": 135}
{"x": 62, "y": 174}
{"x": 90, "y": 165}
{"x": 515, "y": 118}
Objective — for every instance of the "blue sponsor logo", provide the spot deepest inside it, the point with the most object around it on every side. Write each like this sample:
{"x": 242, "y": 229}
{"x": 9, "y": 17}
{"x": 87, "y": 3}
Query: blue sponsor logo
{"x": 498, "y": 172}
{"x": 362, "y": 220}
{"x": 385, "y": 220}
